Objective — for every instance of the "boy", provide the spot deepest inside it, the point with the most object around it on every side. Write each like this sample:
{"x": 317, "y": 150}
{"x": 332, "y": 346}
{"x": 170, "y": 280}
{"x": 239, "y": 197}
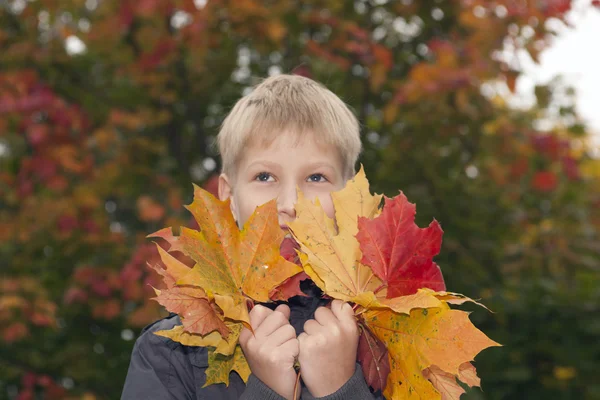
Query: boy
{"x": 289, "y": 133}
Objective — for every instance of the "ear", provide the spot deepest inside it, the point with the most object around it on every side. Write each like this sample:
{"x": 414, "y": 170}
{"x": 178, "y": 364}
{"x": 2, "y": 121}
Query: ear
{"x": 226, "y": 192}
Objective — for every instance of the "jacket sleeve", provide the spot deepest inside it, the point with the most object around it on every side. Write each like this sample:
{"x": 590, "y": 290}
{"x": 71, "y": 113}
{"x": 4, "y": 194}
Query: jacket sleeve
{"x": 355, "y": 389}
{"x": 158, "y": 368}
{"x": 257, "y": 390}
{"x": 163, "y": 369}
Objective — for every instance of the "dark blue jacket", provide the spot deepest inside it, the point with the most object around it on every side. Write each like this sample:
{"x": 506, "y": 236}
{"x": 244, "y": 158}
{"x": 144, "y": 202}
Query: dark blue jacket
{"x": 163, "y": 369}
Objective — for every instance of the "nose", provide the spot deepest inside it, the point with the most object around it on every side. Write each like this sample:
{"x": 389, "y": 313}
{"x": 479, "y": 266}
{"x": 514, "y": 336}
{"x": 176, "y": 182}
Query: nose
{"x": 285, "y": 203}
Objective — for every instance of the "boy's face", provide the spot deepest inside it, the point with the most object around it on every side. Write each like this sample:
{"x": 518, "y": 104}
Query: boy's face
{"x": 266, "y": 173}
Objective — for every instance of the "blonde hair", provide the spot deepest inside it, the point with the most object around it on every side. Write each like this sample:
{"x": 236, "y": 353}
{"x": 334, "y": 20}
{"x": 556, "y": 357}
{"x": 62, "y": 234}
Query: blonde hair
{"x": 294, "y": 104}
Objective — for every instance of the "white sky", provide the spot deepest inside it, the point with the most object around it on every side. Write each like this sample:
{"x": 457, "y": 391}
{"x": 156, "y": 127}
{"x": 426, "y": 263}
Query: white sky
{"x": 575, "y": 54}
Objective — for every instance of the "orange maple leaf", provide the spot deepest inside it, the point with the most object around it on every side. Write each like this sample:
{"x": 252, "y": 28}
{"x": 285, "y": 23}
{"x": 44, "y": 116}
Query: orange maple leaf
{"x": 231, "y": 265}
{"x": 446, "y": 383}
{"x": 198, "y": 313}
{"x": 232, "y": 268}
{"x": 427, "y": 337}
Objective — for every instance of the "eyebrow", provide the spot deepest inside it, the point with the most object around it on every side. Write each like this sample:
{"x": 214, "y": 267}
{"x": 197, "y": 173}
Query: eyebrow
{"x": 274, "y": 165}
{"x": 265, "y": 163}
{"x": 321, "y": 165}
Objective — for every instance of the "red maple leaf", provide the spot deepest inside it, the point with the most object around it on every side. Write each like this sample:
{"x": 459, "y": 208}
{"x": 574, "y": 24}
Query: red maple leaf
{"x": 291, "y": 286}
{"x": 398, "y": 251}
{"x": 372, "y": 355}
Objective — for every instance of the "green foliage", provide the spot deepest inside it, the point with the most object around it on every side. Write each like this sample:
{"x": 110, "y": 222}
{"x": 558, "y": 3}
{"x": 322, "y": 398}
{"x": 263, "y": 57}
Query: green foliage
{"x": 98, "y": 148}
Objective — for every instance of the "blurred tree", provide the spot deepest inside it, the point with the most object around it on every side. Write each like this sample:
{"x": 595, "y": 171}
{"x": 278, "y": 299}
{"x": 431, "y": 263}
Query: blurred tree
{"x": 108, "y": 111}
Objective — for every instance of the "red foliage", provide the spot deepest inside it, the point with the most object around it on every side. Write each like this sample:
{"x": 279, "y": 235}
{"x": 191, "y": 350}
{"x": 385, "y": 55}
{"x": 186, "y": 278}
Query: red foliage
{"x": 571, "y": 168}
{"x": 291, "y": 286}
{"x": 372, "y": 355}
{"x": 544, "y": 181}
{"x": 14, "y": 332}
{"x": 398, "y": 251}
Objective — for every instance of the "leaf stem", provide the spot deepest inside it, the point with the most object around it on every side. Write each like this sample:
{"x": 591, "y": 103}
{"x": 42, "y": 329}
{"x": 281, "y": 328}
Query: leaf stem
{"x": 383, "y": 285}
{"x": 297, "y": 385}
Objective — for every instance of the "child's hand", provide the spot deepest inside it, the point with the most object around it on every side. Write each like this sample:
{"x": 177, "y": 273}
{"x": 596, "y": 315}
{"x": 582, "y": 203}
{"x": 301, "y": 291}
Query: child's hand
{"x": 272, "y": 350}
{"x": 328, "y": 349}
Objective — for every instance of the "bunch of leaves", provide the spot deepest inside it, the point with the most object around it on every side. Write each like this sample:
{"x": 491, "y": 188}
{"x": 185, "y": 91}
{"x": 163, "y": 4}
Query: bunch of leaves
{"x": 233, "y": 269}
{"x": 412, "y": 343}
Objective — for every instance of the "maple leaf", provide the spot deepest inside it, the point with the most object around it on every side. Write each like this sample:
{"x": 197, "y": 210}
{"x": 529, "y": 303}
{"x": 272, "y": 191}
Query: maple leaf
{"x": 446, "y": 383}
{"x": 224, "y": 356}
{"x": 437, "y": 336}
{"x": 220, "y": 366}
{"x": 331, "y": 255}
{"x": 232, "y": 265}
{"x": 452, "y": 298}
{"x": 372, "y": 355}
{"x": 291, "y": 286}
{"x": 198, "y": 313}
{"x": 222, "y": 345}
{"x": 398, "y": 251}
{"x": 232, "y": 268}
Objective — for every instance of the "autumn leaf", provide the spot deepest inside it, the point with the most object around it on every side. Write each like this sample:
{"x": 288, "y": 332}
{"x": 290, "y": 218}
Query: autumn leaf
{"x": 398, "y": 251}
{"x": 291, "y": 286}
{"x": 220, "y": 366}
{"x": 437, "y": 336}
{"x": 372, "y": 355}
{"x": 178, "y": 334}
{"x": 453, "y": 298}
{"x": 468, "y": 375}
{"x": 232, "y": 266}
{"x": 330, "y": 254}
{"x": 446, "y": 383}
{"x": 224, "y": 355}
{"x": 199, "y": 314}
{"x": 230, "y": 261}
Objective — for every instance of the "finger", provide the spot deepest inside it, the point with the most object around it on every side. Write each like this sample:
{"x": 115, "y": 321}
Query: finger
{"x": 285, "y": 309}
{"x": 344, "y": 313}
{"x": 312, "y": 327}
{"x": 245, "y": 335}
{"x": 302, "y": 338}
{"x": 282, "y": 335}
{"x": 258, "y": 315}
{"x": 325, "y": 316}
{"x": 273, "y": 322}
{"x": 342, "y": 310}
{"x": 290, "y": 348}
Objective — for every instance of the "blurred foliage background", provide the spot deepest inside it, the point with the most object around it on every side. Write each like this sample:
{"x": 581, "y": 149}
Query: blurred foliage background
{"x": 108, "y": 111}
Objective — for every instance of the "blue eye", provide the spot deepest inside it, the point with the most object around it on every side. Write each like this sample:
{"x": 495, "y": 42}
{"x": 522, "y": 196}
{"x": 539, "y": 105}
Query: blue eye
{"x": 263, "y": 177}
{"x": 317, "y": 178}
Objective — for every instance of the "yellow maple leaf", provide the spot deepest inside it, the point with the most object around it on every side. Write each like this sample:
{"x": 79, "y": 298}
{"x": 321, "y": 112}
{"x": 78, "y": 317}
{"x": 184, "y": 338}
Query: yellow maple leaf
{"x": 436, "y": 336}
{"x": 220, "y": 366}
{"x": 331, "y": 254}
